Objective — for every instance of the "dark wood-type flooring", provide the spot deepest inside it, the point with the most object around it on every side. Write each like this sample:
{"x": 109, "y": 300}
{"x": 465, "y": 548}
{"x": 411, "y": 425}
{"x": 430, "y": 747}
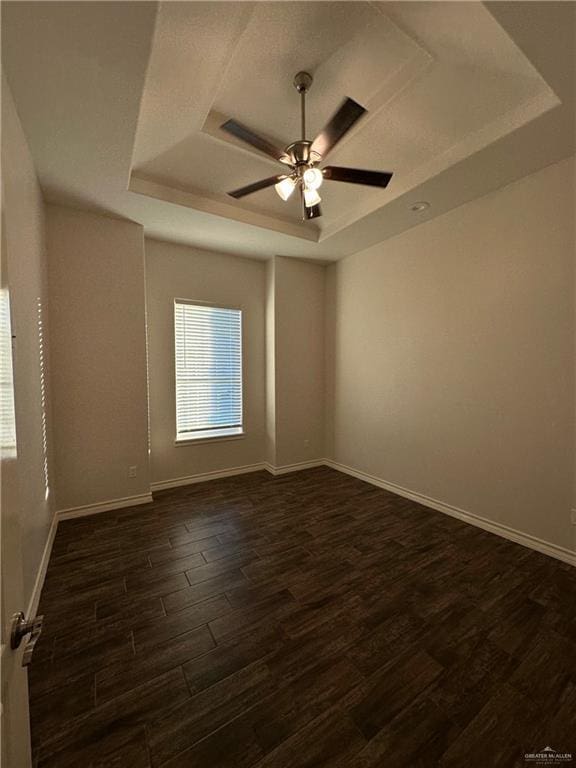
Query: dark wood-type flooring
{"x": 303, "y": 620}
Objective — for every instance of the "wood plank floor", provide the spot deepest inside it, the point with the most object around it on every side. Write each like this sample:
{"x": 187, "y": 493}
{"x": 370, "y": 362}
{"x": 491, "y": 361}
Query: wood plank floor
{"x": 303, "y": 620}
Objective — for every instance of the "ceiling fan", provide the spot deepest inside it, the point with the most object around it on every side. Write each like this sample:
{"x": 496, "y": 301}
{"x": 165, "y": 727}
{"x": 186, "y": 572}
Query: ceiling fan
{"x": 304, "y": 156}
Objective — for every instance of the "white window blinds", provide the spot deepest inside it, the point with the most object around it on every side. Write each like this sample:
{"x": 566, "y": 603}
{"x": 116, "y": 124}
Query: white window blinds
{"x": 7, "y": 415}
{"x": 208, "y": 371}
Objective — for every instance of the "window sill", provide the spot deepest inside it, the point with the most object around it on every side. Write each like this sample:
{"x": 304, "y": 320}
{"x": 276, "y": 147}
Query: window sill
{"x": 213, "y": 439}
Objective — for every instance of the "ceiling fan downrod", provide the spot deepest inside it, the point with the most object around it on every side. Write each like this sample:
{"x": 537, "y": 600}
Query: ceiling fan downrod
{"x": 299, "y": 151}
{"x": 302, "y": 83}
{"x": 299, "y": 154}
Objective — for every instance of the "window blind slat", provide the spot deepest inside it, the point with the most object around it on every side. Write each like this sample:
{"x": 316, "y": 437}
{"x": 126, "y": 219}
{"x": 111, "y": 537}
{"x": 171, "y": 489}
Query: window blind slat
{"x": 208, "y": 345}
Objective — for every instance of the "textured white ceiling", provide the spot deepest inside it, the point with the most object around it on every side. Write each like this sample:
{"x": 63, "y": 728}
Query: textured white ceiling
{"x": 440, "y": 82}
{"x": 463, "y": 97}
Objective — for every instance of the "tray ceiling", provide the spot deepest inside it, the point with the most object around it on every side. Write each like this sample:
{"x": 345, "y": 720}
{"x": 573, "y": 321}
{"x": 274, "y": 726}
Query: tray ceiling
{"x": 122, "y": 102}
{"x": 440, "y": 81}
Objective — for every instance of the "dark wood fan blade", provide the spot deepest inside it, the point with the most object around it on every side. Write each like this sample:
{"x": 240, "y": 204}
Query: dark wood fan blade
{"x": 348, "y": 114}
{"x": 245, "y": 134}
{"x": 262, "y": 184}
{"x": 314, "y": 212}
{"x": 357, "y": 176}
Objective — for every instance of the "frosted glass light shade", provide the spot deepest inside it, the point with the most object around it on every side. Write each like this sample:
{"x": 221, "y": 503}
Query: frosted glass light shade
{"x": 311, "y": 197}
{"x": 313, "y": 178}
{"x": 285, "y": 188}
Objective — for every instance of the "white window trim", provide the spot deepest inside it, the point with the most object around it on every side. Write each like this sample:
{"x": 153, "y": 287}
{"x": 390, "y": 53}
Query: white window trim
{"x": 183, "y": 441}
{"x": 188, "y": 441}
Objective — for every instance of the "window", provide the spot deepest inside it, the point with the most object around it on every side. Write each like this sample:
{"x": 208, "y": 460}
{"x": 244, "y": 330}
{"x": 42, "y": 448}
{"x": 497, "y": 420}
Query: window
{"x": 7, "y": 415}
{"x": 208, "y": 371}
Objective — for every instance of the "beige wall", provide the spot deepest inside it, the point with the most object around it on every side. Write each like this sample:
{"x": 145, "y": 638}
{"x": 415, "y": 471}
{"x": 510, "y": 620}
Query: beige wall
{"x": 270, "y": 453}
{"x": 451, "y": 357}
{"x": 299, "y": 360}
{"x": 98, "y": 349}
{"x": 23, "y": 237}
{"x": 174, "y": 271}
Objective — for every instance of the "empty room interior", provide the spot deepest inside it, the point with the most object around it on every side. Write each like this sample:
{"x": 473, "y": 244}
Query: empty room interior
{"x": 288, "y": 384}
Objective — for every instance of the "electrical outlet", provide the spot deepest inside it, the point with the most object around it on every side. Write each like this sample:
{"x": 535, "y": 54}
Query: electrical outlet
{"x": 573, "y": 516}
{"x": 132, "y": 471}
{"x": 307, "y": 443}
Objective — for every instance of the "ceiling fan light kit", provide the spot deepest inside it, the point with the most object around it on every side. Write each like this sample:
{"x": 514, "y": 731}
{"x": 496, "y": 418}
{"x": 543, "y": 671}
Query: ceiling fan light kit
{"x": 303, "y": 156}
{"x": 285, "y": 187}
{"x": 312, "y": 178}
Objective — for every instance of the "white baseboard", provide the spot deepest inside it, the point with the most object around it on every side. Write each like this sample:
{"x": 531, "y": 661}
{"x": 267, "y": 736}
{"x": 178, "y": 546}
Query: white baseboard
{"x": 285, "y": 468}
{"x": 204, "y": 476}
{"x": 512, "y": 534}
{"x": 104, "y": 506}
{"x": 42, "y": 568}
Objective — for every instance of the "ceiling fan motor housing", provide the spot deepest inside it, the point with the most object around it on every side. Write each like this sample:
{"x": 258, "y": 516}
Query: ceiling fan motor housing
{"x": 299, "y": 153}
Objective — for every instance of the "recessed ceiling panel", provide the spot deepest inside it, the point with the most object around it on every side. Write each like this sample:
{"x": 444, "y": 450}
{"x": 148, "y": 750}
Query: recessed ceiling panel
{"x": 121, "y": 104}
{"x": 439, "y": 81}
{"x": 350, "y": 50}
